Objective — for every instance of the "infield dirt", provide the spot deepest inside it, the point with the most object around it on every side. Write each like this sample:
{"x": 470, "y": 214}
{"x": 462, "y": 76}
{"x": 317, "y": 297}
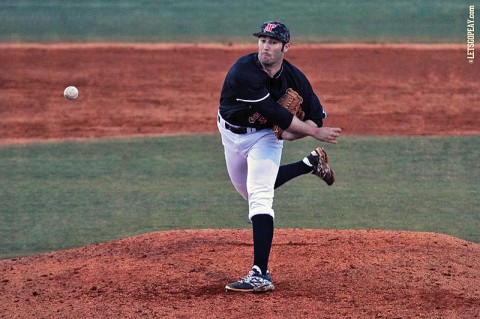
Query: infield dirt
{"x": 131, "y": 90}
{"x": 135, "y": 89}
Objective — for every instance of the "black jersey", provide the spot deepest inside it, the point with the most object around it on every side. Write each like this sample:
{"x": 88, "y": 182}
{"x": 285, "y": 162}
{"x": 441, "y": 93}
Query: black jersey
{"x": 249, "y": 95}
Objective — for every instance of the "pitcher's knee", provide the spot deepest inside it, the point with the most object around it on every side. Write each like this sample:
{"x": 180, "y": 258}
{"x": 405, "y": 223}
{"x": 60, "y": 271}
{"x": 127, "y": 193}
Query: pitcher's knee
{"x": 242, "y": 190}
{"x": 261, "y": 212}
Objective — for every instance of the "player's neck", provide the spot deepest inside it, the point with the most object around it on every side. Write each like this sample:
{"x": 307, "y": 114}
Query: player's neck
{"x": 273, "y": 69}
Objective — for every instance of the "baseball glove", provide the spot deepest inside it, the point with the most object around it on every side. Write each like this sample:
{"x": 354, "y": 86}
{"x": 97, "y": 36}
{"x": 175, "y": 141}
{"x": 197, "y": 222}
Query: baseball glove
{"x": 292, "y": 101}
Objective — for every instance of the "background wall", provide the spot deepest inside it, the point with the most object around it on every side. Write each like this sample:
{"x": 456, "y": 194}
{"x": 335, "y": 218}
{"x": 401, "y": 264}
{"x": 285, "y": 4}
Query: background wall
{"x": 225, "y": 21}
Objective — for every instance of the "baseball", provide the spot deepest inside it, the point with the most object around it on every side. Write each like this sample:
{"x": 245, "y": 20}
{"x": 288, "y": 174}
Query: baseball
{"x": 70, "y": 93}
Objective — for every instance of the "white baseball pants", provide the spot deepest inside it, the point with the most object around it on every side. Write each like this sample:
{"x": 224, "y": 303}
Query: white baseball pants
{"x": 253, "y": 160}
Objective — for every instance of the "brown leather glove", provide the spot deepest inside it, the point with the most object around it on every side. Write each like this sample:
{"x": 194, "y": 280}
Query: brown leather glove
{"x": 292, "y": 101}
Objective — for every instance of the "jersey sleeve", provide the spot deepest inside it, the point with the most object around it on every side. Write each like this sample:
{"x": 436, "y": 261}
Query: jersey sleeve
{"x": 248, "y": 85}
{"x": 311, "y": 103}
{"x": 313, "y": 108}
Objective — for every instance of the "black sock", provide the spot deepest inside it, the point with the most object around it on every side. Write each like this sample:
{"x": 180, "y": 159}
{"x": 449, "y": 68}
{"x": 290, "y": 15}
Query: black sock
{"x": 262, "y": 240}
{"x": 290, "y": 171}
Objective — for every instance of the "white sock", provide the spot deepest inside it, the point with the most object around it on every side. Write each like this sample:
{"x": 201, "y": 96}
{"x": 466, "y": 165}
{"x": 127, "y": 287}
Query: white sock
{"x": 307, "y": 162}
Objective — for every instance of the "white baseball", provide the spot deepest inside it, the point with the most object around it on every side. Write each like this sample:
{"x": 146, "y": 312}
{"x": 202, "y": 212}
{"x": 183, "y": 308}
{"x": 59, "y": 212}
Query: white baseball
{"x": 70, "y": 93}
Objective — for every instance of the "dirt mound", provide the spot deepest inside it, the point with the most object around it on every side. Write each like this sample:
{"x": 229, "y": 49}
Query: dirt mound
{"x": 138, "y": 89}
{"x": 182, "y": 274}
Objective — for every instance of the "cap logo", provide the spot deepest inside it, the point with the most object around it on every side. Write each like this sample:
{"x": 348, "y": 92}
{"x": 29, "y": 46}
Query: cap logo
{"x": 269, "y": 27}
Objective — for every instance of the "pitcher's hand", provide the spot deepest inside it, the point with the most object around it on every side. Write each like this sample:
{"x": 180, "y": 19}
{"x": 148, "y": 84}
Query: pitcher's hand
{"x": 327, "y": 134}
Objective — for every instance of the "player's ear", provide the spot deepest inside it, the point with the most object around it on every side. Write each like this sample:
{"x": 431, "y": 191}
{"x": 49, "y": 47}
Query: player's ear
{"x": 286, "y": 46}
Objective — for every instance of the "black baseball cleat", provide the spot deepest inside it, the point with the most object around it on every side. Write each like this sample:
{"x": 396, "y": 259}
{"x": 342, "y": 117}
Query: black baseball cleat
{"x": 319, "y": 159}
{"x": 253, "y": 282}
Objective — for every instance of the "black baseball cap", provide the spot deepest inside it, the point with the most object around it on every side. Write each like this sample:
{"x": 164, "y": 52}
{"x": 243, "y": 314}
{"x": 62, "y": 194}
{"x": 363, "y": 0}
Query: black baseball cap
{"x": 274, "y": 29}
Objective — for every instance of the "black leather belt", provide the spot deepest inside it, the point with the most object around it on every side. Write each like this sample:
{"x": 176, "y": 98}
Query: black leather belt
{"x": 236, "y": 129}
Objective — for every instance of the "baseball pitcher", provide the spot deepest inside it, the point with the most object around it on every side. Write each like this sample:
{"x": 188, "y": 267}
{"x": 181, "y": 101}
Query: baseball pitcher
{"x": 265, "y": 100}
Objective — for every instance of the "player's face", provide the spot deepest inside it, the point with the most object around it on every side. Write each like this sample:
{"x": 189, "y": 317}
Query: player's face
{"x": 270, "y": 51}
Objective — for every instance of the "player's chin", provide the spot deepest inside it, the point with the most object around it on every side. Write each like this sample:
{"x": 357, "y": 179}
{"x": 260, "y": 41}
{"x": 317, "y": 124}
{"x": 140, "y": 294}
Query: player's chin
{"x": 266, "y": 59}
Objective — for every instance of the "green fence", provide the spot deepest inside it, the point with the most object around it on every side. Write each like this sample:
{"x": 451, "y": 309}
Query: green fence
{"x": 226, "y": 21}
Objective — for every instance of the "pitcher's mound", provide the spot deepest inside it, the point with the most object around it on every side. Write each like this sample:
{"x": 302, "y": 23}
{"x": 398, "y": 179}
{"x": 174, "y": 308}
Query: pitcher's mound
{"x": 317, "y": 273}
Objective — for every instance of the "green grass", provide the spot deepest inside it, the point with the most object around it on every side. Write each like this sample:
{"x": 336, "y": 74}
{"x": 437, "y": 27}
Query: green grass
{"x": 420, "y": 184}
{"x": 61, "y": 195}
{"x": 235, "y": 20}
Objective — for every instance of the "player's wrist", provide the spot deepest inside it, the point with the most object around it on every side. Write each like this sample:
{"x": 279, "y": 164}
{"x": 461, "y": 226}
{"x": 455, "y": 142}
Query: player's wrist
{"x": 313, "y": 130}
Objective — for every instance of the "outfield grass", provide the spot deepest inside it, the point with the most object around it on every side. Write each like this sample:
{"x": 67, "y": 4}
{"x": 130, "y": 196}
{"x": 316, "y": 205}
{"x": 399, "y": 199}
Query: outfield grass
{"x": 234, "y": 20}
{"x": 68, "y": 194}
